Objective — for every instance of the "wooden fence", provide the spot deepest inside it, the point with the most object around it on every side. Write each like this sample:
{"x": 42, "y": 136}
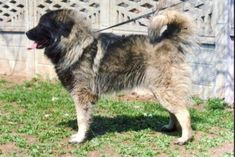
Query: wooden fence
{"x": 212, "y": 64}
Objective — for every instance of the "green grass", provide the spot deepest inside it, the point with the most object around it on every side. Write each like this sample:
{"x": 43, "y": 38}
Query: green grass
{"x": 37, "y": 118}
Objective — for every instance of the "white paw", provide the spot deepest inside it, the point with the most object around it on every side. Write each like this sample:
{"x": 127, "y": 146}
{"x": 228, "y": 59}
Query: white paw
{"x": 182, "y": 141}
{"x": 77, "y": 138}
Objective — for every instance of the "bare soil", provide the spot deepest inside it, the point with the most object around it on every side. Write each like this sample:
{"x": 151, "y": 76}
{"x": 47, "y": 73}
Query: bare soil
{"x": 8, "y": 148}
{"x": 221, "y": 150}
{"x": 133, "y": 96}
{"x": 13, "y": 78}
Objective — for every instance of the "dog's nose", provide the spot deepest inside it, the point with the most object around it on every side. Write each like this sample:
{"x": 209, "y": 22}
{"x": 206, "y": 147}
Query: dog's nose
{"x": 27, "y": 34}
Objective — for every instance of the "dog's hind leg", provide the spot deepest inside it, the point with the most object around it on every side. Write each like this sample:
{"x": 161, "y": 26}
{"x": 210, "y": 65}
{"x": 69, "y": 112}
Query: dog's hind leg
{"x": 84, "y": 101}
{"x": 183, "y": 117}
{"x": 172, "y": 125}
{"x": 177, "y": 106}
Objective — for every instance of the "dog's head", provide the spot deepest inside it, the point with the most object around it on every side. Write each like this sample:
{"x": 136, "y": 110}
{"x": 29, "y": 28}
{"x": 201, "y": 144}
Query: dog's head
{"x": 56, "y": 31}
{"x": 51, "y": 27}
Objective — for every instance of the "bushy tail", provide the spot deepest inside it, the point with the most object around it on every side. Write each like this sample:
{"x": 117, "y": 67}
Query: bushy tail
{"x": 171, "y": 25}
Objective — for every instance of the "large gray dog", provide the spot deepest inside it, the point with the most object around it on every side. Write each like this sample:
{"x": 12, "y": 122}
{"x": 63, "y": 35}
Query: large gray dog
{"x": 89, "y": 64}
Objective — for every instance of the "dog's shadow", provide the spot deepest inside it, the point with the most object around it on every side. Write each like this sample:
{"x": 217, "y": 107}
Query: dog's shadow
{"x": 122, "y": 123}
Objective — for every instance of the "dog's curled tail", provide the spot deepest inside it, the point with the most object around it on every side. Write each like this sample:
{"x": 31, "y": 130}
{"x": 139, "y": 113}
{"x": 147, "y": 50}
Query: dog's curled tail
{"x": 171, "y": 25}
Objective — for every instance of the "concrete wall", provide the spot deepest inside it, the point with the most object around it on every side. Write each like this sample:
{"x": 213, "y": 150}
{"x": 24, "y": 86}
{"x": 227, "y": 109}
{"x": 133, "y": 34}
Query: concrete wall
{"x": 15, "y": 59}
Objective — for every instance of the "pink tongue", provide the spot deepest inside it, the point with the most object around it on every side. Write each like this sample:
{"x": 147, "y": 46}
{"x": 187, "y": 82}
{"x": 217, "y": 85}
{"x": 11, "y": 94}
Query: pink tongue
{"x": 33, "y": 46}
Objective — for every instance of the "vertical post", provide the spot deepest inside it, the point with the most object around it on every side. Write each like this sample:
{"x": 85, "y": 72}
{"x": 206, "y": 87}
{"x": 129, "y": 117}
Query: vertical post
{"x": 29, "y": 23}
{"x": 220, "y": 21}
{"x": 104, "y": 13}
{"x": 229, "y": 91}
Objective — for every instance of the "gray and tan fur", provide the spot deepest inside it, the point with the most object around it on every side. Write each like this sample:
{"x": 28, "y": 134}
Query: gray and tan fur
{"x": 90, "y": 64}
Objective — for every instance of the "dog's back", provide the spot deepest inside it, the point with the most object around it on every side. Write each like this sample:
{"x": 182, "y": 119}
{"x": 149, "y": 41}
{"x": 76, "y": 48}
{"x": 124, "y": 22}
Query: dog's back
{"x": 139, "y": 60}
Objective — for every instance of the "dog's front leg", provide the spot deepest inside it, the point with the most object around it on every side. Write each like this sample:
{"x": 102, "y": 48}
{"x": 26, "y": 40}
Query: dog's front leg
{"x": 84, "y": 99}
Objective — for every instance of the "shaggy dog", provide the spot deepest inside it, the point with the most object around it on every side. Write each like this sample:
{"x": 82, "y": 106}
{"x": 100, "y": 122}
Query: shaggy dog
{"x": 89, "y": 64}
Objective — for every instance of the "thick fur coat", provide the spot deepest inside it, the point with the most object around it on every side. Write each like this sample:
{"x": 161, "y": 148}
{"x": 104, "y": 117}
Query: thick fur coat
{"x": 89, "y": 64}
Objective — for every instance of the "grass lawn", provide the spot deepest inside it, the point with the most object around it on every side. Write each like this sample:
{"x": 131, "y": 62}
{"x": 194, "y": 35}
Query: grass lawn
{"x": 37, "y": 118}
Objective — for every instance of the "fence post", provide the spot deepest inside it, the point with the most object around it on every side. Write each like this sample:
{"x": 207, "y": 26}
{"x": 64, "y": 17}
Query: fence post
{"x": 29, "y": 23}
{"x": 229, "y": 93}
{"x": 104, "y": 13}
{"x": 224, "y": 82}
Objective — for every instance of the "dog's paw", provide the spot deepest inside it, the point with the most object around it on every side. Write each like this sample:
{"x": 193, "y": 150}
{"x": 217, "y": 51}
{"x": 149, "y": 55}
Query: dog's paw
{"x": 76, "y": 138}
{"x": 182, "y": 141}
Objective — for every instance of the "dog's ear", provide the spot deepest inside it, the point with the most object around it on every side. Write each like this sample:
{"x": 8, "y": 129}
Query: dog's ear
{"x": 66, "y": 28}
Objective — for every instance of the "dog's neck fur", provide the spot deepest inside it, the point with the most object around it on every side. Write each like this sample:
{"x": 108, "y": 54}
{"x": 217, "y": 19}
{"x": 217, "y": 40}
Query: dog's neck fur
{"x": 71, "y": 62}
{"x": 70, "y": 57}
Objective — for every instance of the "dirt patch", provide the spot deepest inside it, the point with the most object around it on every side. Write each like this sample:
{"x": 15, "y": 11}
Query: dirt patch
{"x": 29, "y": 138}
{"x": 20, "y": 109}
{"x": 198, "y": 107}
{"x": 68, "y": 148}
{"x": 198, "y": 135}
{"x": 221, "y": 150}
{"x": 16, "y": 79}
{"x": 8, "y": 148}
{"x": 93, "y": 154}
{"x": 213, "y": 132}
{"x": 107, "y": 151}
{"x": 183, "y": 152}
{"x": 5, "y": 112}
{"x": 110, "y": 151}
{"x": 2, "y": 112}
{"x": 133, "y": 96}
{"x": 67, "y": 155}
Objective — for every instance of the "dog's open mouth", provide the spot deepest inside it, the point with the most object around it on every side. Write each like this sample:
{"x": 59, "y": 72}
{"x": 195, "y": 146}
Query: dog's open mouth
{"x": 39, "y": 44}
